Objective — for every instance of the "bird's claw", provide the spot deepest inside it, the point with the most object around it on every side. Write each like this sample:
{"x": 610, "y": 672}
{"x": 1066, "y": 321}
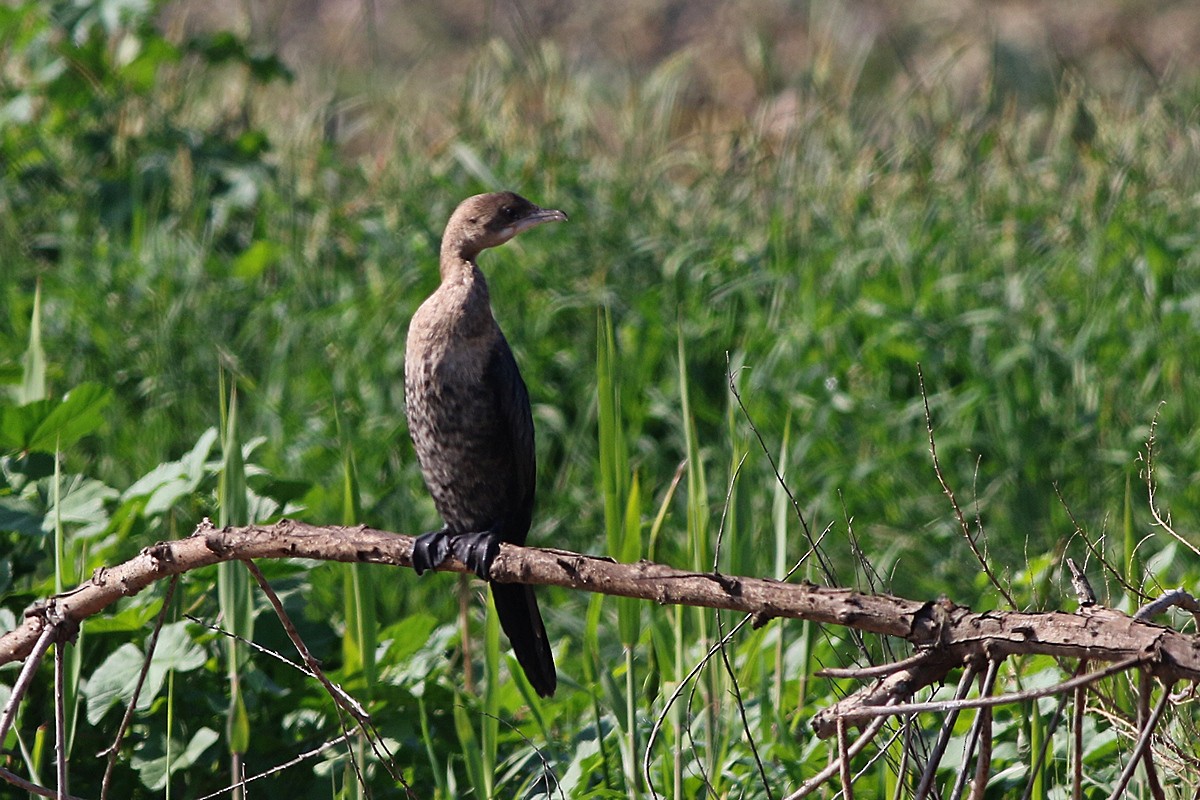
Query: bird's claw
{"x": 478, "y": 551}
{"x": 430, "y": 550}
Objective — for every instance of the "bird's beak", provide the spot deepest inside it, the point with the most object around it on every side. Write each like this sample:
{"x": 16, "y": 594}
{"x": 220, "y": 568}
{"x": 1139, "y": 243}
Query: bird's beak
{"x": 537, "y": 217}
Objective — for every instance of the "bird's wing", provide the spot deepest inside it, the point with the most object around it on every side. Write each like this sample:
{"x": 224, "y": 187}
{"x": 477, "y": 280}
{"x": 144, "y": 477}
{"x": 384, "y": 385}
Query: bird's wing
{"x": 512, "y": 400}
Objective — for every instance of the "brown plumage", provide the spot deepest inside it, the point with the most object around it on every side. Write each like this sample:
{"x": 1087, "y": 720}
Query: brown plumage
{"x": 469, "y": 417}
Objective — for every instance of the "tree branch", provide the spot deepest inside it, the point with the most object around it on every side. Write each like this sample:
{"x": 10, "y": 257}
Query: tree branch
{"x": 955, "y": 632}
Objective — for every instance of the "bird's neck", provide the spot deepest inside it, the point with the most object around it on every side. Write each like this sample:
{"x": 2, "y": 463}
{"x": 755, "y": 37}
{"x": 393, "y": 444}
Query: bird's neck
{"x": 458, "y": 265}
{"x": 463, "y": 293}
{"x": 457, "y": 252}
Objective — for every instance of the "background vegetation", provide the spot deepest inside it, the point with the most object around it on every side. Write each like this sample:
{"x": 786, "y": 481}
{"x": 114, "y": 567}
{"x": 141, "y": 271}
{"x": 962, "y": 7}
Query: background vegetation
{"x": 212, "y": 252}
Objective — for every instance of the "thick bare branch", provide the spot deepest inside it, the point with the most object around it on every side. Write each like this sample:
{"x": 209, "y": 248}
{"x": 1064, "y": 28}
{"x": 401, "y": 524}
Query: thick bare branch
{"x": 958, "y": 634}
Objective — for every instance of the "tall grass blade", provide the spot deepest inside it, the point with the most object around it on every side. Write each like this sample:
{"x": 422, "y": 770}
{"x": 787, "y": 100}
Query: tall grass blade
{"x": 490, "y": 722}
{"x": 233, "y": 581}
{"x": 700, "y": 559}
{"x": 362, "y": 625}
{"x": 361, "y": 636}
{"x": 33, "y": 363}
{"x": 614, "y": 459}
{"x": 479, "y": 778}
{"x": 629, "y": 622}
{"x": 66, "y": 575}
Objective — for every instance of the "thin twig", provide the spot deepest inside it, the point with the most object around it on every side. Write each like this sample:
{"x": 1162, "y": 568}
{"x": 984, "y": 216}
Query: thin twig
{"x": 1151, "y": 489}
{"x": 725, "y": 514}
{"x": 338, "y": 694}
{"x": 280, "y": 767}
{"x": 999, "y": 700}
{"x": 1143, "y": 743}
{"x": 877, "y": 671}
{"x": 28, "y": 786}
{"x": 1093, "y": 550}
{"x": 547, "y": 769}
{"x": 815, "y": 782}
{"x": 60, "y": 720}
{"x": 697, "y": 764}
{"x": 217, "y": 629}
{"x": 18, "y": 692}
{"x": 1047, "y": 738}
{"x": 678, "y": 691}
{"x": 26, "y": 677}
{"x": 1077, "y": 736}
{"x": 984, "y": 716}
{"x": 733, "y": 681}
{"x": 844, "y": 761}
{"x": 939, "y": 749}
{"x": 962, "y": 522}
{"x": 906, "y": 727}
{"x": 675, "y": 695}
{"x": 115, "y": 747}
{"x": 881, "y": 752}
{"x": 352, "y": 706}
{"x": 826, "y": 567}
{"x": 983, "y": 764}
{"x": 1145, "y": 688}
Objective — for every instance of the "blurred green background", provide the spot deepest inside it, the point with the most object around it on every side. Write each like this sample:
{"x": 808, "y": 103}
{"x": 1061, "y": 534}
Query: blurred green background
{"x": 206, "y": 200}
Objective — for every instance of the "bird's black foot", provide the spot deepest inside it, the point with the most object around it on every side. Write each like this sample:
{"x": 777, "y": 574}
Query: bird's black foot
{"x": 478, "y": 551}
{"x": 430, "y": 550}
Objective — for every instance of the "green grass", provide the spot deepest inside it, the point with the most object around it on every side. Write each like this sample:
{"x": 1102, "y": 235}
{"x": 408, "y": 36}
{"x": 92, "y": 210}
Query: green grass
{"x": 1049, "y": 289}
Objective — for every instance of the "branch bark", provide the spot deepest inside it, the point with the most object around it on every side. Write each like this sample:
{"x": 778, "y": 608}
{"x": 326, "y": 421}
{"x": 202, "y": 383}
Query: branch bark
{"x": 955, "y": 632}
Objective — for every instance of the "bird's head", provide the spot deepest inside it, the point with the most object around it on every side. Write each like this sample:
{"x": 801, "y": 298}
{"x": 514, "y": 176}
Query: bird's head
{"x": 490, "y": 220}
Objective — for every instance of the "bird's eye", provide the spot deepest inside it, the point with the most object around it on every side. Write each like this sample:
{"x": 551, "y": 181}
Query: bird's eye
{"x": 508, "y": 212}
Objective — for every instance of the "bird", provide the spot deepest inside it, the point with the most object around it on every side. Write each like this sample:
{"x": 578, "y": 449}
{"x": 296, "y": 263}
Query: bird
{"x": 471, "y": 424}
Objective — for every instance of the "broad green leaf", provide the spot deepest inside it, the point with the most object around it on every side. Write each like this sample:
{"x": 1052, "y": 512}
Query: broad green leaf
{"x": 82, "y": 502}
{"x": 21, "y": 515}
{"x": 113, "y": 681}
{"x": 167, "y": 483}
{"x": 133, "y": 616}
{"x": 116, "y": 677}
{"x": 407, "y": 636}
{"x": 155, "y": 770}
{"x": 49, "y": 425}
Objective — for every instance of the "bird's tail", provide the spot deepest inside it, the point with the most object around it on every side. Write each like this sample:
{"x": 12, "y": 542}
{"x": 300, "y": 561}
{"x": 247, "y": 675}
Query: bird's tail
{"x": 517, "y": 608}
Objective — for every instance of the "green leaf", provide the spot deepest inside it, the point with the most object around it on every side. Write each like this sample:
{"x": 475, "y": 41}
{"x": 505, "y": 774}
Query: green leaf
{"x": 155, "y": 771}
{"x": 21, "y": 515}
{"x": 81, "y": 502}
{"x": 135, "y": 616}
{"x": 407, "y": 636}
{"x": 48, "y": 425}
{"x": 172, "y": 480}
{"x": 116, "y": 677}
{"x": 237, "y": 724}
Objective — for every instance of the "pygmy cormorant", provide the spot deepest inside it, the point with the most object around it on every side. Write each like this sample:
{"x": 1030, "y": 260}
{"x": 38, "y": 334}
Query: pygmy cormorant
{"x": 469, "y": 417}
